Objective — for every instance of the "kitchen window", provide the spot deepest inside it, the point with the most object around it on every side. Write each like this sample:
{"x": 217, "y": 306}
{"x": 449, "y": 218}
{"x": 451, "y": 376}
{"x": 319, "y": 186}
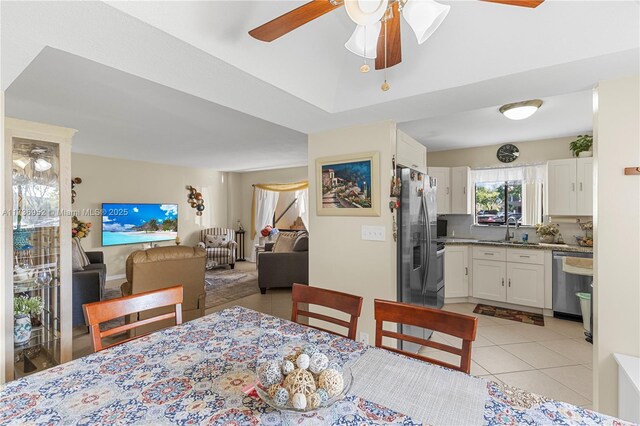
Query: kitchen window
{"x": 510, "y": 195}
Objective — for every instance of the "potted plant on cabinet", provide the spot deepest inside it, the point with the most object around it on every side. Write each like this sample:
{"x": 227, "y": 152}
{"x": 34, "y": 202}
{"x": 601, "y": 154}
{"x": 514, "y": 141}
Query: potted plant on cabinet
{"x": 23, "y": 307}
{"x": 547, "y": 233}
{"x": 581, "y": 147}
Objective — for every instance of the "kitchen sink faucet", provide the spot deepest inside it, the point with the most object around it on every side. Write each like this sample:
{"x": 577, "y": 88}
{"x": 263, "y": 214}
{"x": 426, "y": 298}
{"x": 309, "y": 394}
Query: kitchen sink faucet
{"x": 508, "y": 235}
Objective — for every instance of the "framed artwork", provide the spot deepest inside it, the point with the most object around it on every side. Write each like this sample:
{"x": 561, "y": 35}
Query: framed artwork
{"x": 348, "y": 185}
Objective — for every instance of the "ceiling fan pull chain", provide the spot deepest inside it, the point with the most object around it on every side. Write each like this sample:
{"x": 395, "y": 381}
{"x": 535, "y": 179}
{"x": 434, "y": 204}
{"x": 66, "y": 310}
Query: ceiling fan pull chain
{"x": 385, "y": 86}
{"x": 365, "y": 68}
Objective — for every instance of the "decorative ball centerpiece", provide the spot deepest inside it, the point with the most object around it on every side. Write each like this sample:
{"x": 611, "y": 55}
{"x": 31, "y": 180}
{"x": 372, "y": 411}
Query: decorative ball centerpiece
{"x": 303, "y": 381}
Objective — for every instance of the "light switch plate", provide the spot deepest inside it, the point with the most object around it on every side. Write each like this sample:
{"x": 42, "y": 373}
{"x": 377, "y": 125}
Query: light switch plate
{"x": 373, "y": 233}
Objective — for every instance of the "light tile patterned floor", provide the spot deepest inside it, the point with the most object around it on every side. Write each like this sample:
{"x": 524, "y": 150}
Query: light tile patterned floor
{"x": 553, "y": 360}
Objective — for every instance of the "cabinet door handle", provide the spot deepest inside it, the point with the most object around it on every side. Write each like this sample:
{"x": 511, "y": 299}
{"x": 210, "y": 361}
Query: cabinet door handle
{"x": 503, "y": 282}
{"x": 509, "y": 282}
{"x": 525, "y": 256}
{"x": 447, "y": 190}
{"x": 580, "y": 186}
{"x": 464, "y": 189}
{"x": 488, "y": 254}
{"x": 466, "y": 270}
{"x": 573, "y": 187}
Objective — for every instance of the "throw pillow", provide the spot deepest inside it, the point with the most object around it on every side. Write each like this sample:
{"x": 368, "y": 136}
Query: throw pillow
{"x": 302, "y": 242}
{"x": 216, "y": 241}
{"x": 76, "y": 257}
{"x": 285, "y": 242}
{"x": 83, "y": 255}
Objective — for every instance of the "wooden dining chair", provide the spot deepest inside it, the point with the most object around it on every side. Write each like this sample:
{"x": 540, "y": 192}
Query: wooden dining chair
{"x": 343, "y": 302}
{"x": 106, "y": 310}
{"x": 453, "y": 324}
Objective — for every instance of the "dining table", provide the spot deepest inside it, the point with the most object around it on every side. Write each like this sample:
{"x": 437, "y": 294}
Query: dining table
{"x": 199, "y": 372}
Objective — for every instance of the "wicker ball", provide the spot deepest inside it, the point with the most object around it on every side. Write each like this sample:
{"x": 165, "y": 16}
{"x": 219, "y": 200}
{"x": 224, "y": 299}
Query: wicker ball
{"x": 324, "y": 396}
{"x": 299, "y": 401}
{"x": 281, "y": 397}
{"x": 303, "y": 361}
{"x": 273, "y": 390}
{"x": 318, "y": 363}
{"x": 314, "y": 400}
{"x": 287, "y": 367}
{"x": 269, "y": 373}
{"x": 309, "y": 349}
{"x": 300, "y": 381}
{"x": 331, "y": 381}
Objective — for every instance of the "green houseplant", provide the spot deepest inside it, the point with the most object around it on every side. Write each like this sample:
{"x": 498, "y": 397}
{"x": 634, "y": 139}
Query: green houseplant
{"x": 23, "y": 308}
{"x": 582, "y": 145}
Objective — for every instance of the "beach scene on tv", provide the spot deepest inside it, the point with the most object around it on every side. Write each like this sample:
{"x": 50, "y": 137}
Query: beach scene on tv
{"x": 138, "y": 223}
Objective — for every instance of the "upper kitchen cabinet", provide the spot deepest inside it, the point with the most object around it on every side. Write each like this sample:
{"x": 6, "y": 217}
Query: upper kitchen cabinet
{"x": 443, "y": 188}
{"x": 460, "y": 191}
{"x": 570, "y": 187}
{"x": 410, "y": 152}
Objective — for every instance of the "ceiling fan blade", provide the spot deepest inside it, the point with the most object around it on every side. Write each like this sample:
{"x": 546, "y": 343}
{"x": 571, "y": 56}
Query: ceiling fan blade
{"x": 291, "y": 20}
{"x": 523, "y": 3}
{"x": 393, "y": 42}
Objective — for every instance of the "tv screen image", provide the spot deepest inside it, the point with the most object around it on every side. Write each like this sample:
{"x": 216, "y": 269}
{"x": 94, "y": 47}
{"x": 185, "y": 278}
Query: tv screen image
{"x": 138, "y": 223}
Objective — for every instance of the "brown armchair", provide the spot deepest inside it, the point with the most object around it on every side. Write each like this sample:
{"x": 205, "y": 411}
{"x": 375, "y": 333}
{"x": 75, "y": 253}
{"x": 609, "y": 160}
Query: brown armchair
{"x": 163, "y": 267}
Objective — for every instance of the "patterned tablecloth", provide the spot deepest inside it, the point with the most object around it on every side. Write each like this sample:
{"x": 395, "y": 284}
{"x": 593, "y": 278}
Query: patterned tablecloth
{"x": 195, "y": 373}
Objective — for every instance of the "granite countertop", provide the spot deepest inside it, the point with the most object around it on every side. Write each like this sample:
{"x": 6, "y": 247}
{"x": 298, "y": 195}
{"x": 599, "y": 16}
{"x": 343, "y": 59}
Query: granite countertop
{"x": 532, "y": 246}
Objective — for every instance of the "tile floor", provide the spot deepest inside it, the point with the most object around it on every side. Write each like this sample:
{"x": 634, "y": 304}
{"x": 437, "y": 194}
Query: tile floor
{"x": 553, "y": 360}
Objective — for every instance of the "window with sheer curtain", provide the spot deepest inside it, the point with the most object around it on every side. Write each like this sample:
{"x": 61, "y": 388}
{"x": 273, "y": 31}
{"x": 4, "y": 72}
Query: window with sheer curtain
{"x": 510, "y": 195}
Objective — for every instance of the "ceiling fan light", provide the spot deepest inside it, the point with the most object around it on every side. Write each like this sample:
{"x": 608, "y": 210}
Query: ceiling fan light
{"x": 424, "y": 17}
{"x": 42, "y": 165}
{"x": 521, "y": 110}
{"x": 366, "y": 12}
{"x": 365, "y": 36}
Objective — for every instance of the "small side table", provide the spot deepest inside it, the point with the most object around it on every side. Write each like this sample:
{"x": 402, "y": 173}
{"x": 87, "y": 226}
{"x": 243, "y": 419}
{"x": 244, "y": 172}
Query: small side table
{"x": 240, "y": 246}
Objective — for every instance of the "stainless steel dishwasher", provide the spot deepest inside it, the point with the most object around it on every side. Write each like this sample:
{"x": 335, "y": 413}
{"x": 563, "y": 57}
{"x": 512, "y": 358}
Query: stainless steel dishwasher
{"x": 566, "y": 285}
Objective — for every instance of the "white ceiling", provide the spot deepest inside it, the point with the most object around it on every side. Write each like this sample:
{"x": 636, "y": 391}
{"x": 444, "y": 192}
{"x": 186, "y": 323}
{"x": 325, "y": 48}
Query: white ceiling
{"x": 484, "y": 55}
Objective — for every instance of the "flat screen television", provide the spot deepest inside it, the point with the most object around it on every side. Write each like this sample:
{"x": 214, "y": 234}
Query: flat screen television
{"x": 137, "y": 223}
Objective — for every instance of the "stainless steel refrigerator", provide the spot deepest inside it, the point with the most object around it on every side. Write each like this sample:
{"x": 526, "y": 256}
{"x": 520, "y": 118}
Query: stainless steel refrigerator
{"x": 420, "y": 256}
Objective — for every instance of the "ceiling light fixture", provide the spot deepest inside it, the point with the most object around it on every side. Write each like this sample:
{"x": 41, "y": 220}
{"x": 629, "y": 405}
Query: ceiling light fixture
{"x": 364, "y": 40}
{"x": 521, "y": 110}
{"x": 424, "y": 17}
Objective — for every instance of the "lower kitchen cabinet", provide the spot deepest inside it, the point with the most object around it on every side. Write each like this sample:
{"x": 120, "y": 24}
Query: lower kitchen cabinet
{"x": 489, "y": 280}
{"x": 456, "y": 271}
{"x": 525, "y": 284}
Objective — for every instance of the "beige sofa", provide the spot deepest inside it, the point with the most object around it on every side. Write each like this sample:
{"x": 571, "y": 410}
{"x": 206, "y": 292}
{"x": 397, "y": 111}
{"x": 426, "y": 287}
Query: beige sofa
{"x": 163, "y": 267}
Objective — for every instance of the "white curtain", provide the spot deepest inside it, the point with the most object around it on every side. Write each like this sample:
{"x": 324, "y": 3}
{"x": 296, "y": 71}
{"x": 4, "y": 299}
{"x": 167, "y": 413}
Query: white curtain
{"x": 266, "y": 202}
{"x": 526, "y": 174}
{"x": 302, "y": 204}
{"x": 531, "y": 203}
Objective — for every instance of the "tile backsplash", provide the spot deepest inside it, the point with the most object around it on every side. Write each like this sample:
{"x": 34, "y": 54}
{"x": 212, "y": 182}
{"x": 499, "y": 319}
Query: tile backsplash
{"x": 462, "y": 226}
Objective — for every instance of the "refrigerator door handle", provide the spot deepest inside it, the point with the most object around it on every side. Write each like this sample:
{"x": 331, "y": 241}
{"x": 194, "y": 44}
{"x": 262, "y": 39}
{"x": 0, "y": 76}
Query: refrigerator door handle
{"x": 427, "y": 252}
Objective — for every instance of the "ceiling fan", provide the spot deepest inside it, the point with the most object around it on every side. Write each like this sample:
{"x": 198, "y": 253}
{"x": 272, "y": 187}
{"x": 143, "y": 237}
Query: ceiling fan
{"x": 377, "y": 35}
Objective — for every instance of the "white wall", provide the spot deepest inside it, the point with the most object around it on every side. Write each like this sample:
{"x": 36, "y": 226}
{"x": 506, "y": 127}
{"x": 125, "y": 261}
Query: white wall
{"x": 338, "y": 258}
{"x": 616, "y": 252}
{"x": 538, "y": 151}
{"x": 3, "y": 314}
{"x": 110, "y": 180}
{"x": 241, "y": 194}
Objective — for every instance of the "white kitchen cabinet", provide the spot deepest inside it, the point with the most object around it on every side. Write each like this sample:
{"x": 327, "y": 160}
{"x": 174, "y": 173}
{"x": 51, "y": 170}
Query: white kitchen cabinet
{"x": 570, "y": 187}
{"x": 584, "y": 186}
{"x": 456, "y": 271}
{"x": 489, "y": 280}
{"x": 461, "y": 192}
{"x": 410, "y": 152}
{"x": 525, "y": 284}
{"x": 443, "y": 190}
{"x": 561, "y": 187}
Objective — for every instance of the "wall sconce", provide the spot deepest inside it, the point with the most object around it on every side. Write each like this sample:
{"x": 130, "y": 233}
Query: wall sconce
{"x": 195, "y": 200}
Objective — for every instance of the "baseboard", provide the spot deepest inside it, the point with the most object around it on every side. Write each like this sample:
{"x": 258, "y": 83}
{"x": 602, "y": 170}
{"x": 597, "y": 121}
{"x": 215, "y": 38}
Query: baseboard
{"x": 116, "y": 277}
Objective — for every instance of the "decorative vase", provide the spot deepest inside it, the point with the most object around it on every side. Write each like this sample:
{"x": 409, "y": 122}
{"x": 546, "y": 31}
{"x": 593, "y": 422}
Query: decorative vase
{"x": 584, "y": 154}
{"x": 21, "y": 238}
{"x": 548, "y": 239}
{"x": 21, "y": 329}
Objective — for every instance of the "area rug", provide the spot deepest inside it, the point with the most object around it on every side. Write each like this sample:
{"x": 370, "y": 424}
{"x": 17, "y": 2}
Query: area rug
{"x": 221, "y": 286}
{"x": 510, "y": 314}
{"x": 226, "y": 285}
